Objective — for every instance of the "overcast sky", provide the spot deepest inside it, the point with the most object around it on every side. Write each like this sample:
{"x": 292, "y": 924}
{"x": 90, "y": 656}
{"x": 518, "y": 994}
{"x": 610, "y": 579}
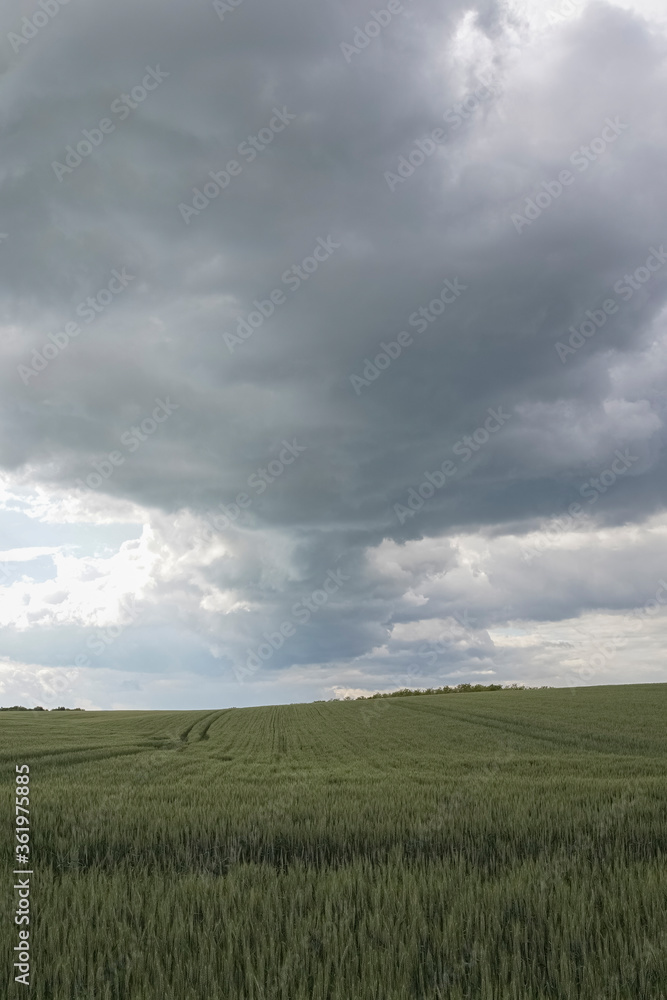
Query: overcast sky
{"x": 333, "y": 348}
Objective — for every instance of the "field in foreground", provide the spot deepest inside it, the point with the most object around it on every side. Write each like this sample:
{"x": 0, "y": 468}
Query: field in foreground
{"x": 501, "y": 846}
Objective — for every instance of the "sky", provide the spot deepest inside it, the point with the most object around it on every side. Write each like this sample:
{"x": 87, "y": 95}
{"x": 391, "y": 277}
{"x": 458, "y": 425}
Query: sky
{"x": 333, "y": 348}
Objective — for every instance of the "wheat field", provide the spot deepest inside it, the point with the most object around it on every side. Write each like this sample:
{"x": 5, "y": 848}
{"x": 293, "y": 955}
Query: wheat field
{"x": 500, "y": 846}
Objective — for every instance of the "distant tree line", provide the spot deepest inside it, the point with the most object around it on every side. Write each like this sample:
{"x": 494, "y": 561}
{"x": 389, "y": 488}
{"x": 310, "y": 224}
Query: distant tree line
{"x": 458, "y": 689}
{"x": 38, "y": 708}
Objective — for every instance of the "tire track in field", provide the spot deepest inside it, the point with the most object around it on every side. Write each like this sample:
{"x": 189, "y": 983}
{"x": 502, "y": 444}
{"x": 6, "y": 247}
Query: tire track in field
{"x": 203, "y": 735}
{"x": 186, "y": 732}
{"x": 278, "y": 736}
{"x": 237, "y": 734}
{"x": 356, "y": 749}
{"x": 225, "y": 718}
{"x": 583, "y": 741}
{"x": 312, "y": 739}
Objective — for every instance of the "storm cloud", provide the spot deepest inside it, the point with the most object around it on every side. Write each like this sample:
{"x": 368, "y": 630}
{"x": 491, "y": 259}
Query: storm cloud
{"x": 300, "y": 293}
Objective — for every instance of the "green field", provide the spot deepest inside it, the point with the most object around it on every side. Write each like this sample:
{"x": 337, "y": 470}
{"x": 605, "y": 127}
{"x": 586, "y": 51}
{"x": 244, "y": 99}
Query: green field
{"x": 501, "y": 846}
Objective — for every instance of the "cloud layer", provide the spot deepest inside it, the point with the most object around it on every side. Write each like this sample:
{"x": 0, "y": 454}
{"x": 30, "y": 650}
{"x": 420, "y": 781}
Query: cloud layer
{"x": 293, "y": 295}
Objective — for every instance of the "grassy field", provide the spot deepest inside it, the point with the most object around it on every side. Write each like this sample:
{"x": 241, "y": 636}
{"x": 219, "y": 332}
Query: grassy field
{"x": 501, "y": 846}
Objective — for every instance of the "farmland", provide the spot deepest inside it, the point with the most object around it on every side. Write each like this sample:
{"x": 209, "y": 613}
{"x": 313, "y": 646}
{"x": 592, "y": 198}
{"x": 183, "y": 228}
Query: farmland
{"x": 500, "y": 846}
